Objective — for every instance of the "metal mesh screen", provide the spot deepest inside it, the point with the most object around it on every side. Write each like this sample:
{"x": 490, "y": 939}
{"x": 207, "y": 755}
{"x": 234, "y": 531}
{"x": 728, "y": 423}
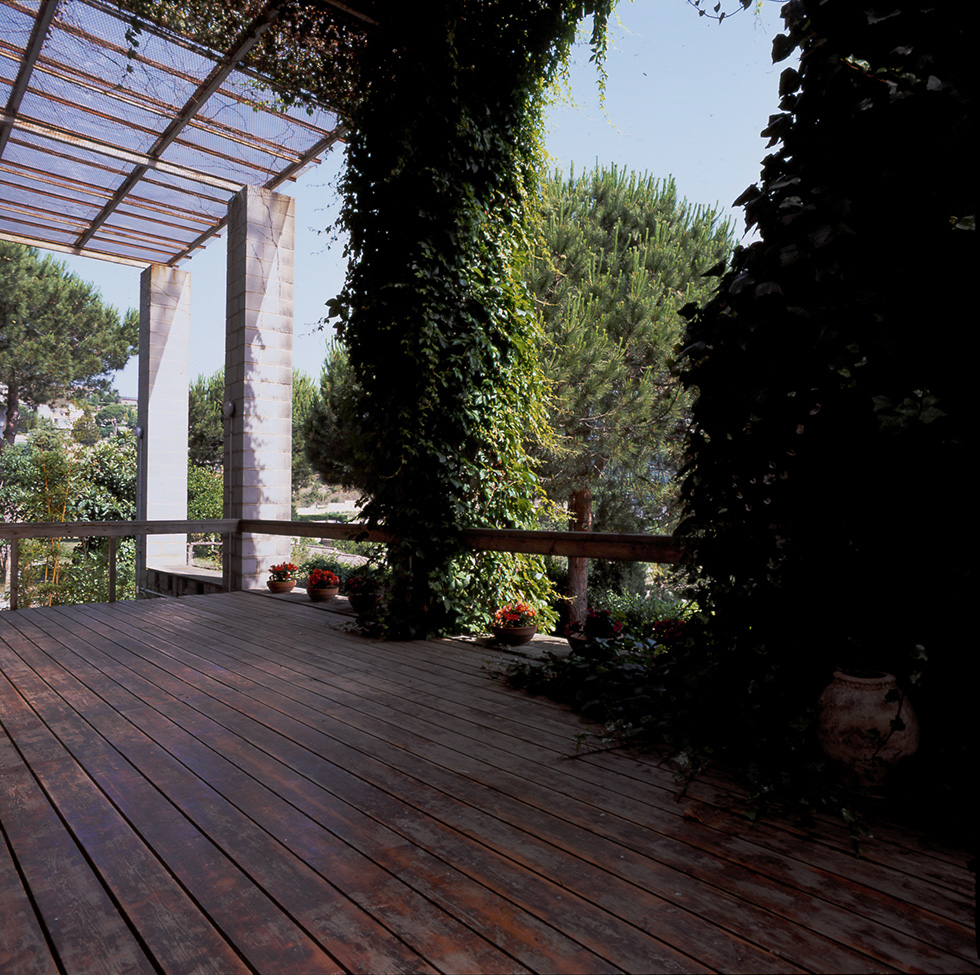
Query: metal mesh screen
{"x": 83, "y": 165}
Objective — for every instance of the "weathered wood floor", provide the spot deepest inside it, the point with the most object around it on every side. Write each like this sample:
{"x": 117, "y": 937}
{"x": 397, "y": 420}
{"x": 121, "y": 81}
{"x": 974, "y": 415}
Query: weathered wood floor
{"x": 227, "y": 784}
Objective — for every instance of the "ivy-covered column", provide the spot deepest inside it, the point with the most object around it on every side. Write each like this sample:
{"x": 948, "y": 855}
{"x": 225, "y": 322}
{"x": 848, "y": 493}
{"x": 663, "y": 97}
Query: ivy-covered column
{"x": 442, "y": 160}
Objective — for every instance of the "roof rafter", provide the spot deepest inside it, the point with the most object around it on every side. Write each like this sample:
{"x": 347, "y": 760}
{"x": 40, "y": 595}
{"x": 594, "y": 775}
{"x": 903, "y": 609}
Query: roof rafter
{"x": 162, "y": 135}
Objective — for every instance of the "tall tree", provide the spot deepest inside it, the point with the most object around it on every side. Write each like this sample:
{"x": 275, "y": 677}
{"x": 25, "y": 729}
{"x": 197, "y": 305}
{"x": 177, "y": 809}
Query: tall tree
{"x": 206, "y": 431}
{"x": 56, "y": 334}
{"x": 304, "y": 400}
{"x": 331, "y": 430}
{"x": 619, "y": 255}
{"x": 205, "y": 420}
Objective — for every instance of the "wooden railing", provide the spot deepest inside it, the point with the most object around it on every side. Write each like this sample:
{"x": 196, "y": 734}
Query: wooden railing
{"x": 593, "y": 545}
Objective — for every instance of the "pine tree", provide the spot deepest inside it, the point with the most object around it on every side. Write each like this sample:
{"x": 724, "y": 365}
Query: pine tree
{"x": 205, "y": 420}
{"x": 619, "y": 256}
{"x": 56, "y": 334}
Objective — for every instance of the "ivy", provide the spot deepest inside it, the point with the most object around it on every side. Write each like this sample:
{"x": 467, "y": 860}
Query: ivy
{"x": 833, "y": 423}
{"x": 442, "y": 168}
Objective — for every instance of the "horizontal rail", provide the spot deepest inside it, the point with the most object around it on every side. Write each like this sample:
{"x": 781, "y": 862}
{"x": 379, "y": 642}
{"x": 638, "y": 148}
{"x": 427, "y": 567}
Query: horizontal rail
{"x": 315, "y": 529}
{"x": 117, "y": 529}
{"x": 591, "y": 545}
{"x": 594, "y": 545}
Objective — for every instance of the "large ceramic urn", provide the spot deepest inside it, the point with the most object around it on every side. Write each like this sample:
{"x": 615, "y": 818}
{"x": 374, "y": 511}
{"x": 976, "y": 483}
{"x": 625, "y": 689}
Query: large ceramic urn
{"x": 866, "y": 723}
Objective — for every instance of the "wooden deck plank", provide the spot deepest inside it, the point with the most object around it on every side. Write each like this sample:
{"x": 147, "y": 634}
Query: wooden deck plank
{"x": 853, "y": 961}
{"x": 355, "y": 939}
{"x": 439, "y": 806}
{"x": 262, "y": 934}
{"x": 81, "y": 920}
{"x": 712, "y": 847}
{"x": 404, "y": 911}
{"x": 489, "y": 867}
{"x": 23, "y": 948}
{"x": 159, "y": 910}
{"x": 643, "y": 905}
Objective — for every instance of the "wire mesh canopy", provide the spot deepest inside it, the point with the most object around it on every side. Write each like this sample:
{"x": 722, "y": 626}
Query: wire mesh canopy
{"x": 132, "y": 156}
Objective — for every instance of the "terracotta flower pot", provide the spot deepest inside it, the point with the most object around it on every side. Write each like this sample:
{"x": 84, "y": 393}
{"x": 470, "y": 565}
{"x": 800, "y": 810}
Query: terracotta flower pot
{"x": 323, "y": 595}
{"x": 866, "y": 724}
{"x": 281, "y": 585}
{"x": 514, "y": 636}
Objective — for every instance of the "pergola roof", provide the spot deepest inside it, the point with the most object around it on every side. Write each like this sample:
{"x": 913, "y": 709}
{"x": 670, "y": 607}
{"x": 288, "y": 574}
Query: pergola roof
{"x": 133, "y": 159}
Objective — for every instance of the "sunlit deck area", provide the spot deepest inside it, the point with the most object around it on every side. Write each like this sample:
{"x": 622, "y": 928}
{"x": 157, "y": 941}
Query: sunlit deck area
{"x": 234, "y": 783}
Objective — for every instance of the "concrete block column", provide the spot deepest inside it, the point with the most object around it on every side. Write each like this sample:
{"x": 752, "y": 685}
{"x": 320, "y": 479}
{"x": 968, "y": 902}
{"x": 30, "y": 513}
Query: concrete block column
{"x": 164, "y": 351}
{"x": 258, "y": 378}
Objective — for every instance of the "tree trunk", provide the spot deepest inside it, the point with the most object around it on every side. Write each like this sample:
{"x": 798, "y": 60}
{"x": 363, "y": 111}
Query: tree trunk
{"x": 579, "y": 520}
{"x": 13, "y": 414}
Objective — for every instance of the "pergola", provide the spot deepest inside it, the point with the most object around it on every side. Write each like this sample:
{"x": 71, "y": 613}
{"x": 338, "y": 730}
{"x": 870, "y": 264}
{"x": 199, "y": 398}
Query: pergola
{"x": 140, "y": 156}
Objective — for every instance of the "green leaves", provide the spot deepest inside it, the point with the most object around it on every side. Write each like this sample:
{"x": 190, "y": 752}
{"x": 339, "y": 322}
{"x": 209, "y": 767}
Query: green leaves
{"x": 56, "y": 335}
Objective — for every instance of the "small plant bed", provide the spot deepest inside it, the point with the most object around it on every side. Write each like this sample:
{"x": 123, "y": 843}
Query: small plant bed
{"x": 611, "y": 676}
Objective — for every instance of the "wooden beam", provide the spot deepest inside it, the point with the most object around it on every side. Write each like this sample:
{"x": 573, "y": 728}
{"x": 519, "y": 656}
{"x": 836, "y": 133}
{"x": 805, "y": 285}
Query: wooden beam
{"x": 45, "y": 15}
{"x": 119, "y": 529}
{"x": 592, "y": 545}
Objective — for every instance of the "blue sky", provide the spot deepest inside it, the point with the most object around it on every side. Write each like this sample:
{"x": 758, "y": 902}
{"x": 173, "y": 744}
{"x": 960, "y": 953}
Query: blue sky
{"x": 686, "y": 97}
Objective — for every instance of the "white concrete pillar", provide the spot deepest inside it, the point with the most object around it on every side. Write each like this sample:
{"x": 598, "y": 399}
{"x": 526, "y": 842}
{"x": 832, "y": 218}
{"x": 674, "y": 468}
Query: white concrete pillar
{"x": 258, "y": 378}
{"x": 164, "y": 352}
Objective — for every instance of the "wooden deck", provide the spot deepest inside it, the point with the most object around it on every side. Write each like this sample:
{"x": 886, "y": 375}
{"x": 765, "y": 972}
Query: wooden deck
{"x": 231, "y": 784}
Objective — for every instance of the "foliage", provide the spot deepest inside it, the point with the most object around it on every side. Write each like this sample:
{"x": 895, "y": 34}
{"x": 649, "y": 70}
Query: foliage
{"x": 85, "y": 430}
{"x": 441, "y": 155}
{"x": 205, "y": 421}
{"x": 304, "y": 400}
{"x": 205, "y": 500}
{"x": 343, "y": 570}
{"x": 56, "y": 335}
{"x": 366, "y": 581}
{"x": 51, "y": 478}
{"x": 618, "y": 256}
{"x": 641, "y": 613}
{"x": 205, "y": 493}
{"x": 332, "y": 427}
{"x": 834, "y": 398}
{"x": 111, "y": 417}
{"x": 599, "y": 624}
{"x": 613, "y": 680}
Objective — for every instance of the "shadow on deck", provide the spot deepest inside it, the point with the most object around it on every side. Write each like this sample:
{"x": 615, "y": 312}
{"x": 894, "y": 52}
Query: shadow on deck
{"x": 233, "y": 783}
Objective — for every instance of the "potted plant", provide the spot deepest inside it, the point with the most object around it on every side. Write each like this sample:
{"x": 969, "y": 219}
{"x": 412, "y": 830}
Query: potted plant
{"x": 595, "y": 634}
{"x": 515, "y": 624}
{"x": 363, "y": 590}
{"x": 322, "y": 585}
{"x": 282, "y": 577}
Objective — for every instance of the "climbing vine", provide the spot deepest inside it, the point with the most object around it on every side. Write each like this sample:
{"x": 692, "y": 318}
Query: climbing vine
{"x": 833, "y": 423}
{"x": 442, "y": 163}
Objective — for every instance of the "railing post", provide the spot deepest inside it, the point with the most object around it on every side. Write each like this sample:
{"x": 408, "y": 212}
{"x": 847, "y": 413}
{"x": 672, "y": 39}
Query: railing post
{"x": 14, "y": 570}
{"x": 112, "y": 568}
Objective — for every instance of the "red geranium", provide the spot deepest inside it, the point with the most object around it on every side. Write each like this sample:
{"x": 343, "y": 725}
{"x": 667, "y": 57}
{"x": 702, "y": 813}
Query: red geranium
{"x": 514, "y": 615}
{"x": 323, "y": 579}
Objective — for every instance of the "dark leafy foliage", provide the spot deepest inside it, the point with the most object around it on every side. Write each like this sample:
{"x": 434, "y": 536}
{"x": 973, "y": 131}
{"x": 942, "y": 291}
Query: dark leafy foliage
{"x": 833, "y": 420}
